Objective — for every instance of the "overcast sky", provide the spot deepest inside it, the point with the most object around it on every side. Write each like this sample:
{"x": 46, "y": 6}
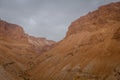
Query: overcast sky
{"x": 47, "y": 18}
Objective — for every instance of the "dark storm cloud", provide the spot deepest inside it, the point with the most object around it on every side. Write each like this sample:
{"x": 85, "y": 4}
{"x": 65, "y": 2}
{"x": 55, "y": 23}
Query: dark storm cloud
{"x": 48, "y": 18}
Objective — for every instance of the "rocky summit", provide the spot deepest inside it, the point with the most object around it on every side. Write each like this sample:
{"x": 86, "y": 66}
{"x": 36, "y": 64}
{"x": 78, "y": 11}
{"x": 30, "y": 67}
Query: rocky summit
{"x": 90, "y": 50}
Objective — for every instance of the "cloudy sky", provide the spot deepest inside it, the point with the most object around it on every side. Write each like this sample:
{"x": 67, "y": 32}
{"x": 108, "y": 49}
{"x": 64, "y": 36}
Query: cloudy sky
{"x": 47, "y": 18}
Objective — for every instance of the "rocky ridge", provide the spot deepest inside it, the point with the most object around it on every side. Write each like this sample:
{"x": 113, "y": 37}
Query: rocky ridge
{"x": 15, "y": 33}
{"x": 18, "y": 51}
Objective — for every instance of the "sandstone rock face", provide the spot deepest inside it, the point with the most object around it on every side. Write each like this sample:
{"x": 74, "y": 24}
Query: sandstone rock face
{"x": 90, "y": 50}
{"x": 41, "y": 44}
{"x": 11, "y": 31}
{"x": 95, "y": 20}
{"x": 15, "y": 33}
{"x": 18, "y": 51}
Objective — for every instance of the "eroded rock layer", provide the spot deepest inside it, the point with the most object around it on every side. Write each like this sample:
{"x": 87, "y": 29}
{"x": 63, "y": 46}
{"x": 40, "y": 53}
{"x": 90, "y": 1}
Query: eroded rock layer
{"x": 90, "y": 50}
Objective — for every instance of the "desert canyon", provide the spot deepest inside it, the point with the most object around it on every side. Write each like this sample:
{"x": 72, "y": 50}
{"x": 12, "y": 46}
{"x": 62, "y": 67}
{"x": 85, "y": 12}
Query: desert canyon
{"x": 89, "y": 51}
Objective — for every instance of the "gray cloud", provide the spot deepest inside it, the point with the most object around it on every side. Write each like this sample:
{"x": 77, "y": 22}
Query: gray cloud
{"x": 47, "y": 18}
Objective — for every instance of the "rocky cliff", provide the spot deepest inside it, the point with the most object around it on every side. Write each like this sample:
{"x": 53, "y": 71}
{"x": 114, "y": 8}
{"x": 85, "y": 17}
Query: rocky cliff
{"x": 11, "y": 31}
{"x": 15, "y": 33}
{"x": 90, "y": 50}
{"x": 18, "y": 51}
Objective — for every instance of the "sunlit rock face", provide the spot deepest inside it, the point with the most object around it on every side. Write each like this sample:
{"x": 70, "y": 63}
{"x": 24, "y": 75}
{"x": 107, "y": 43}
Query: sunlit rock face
{"x": 90, "y": 50}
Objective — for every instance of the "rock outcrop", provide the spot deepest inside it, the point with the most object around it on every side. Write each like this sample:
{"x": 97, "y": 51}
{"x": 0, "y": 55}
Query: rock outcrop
{"x": 95, "y": 20}
{"x": 12, "y": 32}
{"x": 15, "y": 33}
{"x": 40, "y": 44}
{"x": 18, "y": 51}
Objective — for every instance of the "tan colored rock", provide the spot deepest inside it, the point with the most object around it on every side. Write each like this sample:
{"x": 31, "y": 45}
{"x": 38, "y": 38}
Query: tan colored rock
{"x": 11, "y": 31}
{"x": 92, "y": 42}
{"x": 18, "y": 51}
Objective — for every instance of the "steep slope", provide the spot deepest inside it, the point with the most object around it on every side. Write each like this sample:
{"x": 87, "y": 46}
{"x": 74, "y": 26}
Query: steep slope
{"x": 18, "y": 51}
{"x": 40, "y": 44}
{"x": 90, "y": 50}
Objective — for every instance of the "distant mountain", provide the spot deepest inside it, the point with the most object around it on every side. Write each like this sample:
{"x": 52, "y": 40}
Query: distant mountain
{"x": 18, "y": 51}
{"x": 90, "y": 50}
